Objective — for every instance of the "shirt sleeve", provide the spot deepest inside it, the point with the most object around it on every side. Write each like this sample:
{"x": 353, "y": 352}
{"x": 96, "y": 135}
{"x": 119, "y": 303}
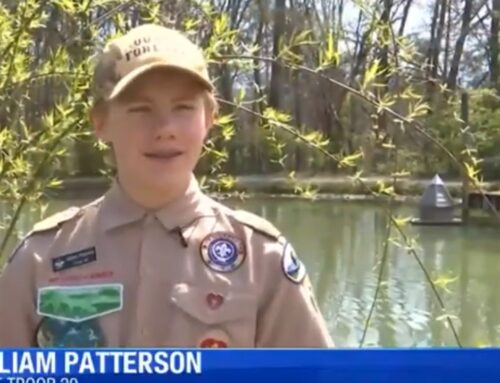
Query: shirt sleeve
{"x": 290, "y": 317}
{"x": 17, "y": 300}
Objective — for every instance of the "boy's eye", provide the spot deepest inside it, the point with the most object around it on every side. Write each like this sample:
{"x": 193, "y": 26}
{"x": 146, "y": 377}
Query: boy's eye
{"x": 139, "y": 109}
{"x": 184, "y": 107}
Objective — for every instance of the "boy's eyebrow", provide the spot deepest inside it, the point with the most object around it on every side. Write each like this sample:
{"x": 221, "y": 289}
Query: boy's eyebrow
{"x": 184, "y": 97}
{"x": 129, "y": 97}
{"x": 138, "y": 98}
{"x": 133, "y": 97}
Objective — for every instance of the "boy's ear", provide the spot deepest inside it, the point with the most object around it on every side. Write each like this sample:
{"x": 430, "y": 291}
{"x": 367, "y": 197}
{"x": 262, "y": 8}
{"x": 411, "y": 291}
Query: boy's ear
{"x": 209, "y": 121}
{"x": 210, "y": 118}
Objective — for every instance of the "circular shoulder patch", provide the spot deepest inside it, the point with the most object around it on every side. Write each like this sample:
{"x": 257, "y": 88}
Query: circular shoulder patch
{"x": 222, "y": 252}
{"x": 293, "y": 268}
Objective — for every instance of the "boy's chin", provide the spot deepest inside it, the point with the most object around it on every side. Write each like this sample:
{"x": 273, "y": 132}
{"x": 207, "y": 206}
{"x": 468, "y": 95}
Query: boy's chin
{"x": 166, "y": 182}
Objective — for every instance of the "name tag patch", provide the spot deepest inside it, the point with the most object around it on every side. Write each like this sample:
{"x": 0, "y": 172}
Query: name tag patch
{"x": 75, "y": 259}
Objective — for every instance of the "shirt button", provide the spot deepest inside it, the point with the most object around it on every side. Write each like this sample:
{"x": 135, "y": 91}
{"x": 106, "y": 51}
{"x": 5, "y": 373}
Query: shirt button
{"x": 149, "y": 219}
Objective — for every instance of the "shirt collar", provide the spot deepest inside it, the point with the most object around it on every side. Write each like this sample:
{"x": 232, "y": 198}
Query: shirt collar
{"x": 118, "y": 209}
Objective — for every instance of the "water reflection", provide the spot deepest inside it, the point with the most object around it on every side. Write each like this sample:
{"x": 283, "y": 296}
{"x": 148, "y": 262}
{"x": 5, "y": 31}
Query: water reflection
{"x": 342, "y": 245}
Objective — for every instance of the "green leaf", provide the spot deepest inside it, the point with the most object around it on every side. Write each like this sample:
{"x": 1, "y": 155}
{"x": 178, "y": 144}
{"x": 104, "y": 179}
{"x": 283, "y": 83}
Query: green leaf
{"x": 191, "y": 23}
{"x": 228, "y": 132}
{"x": 225, "y": 119}
{"x": 54, "y": 183}
{"x": 351, "y": 160}
{"x": 221, "y": 24}
{"x": 226, "y": 182}
{"x": 67, "y": 6}
{"x": 275, "y": 115}
{"x": 371, "y": 73}
{"x": 301, "y": 37}
{"x": 331, "y": 54}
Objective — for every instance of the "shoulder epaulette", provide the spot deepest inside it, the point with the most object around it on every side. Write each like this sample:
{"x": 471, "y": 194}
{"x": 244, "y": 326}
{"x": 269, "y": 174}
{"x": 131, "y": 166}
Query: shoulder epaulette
{"x": 46, "y": 224}
{"x": 55, "y": 220}
{"x": 257, "y": 223}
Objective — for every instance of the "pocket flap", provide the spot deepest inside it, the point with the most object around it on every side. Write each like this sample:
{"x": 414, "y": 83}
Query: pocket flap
{"x": 79, "y": 303}
{"x": 193, "y": 300}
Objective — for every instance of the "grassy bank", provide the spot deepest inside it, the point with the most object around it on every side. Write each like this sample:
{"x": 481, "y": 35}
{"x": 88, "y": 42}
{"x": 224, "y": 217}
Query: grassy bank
{"x": 326, "y": 186}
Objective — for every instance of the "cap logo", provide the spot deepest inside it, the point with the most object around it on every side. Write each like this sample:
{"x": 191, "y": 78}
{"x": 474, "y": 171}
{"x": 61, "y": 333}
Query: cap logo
{"x": 142, "y": 40}
{"x": 144, "y": 48}
{"x": 140, "y": 47}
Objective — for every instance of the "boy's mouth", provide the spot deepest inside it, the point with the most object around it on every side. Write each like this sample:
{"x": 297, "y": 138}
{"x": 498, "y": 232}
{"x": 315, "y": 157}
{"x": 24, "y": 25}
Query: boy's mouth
{"x": 163, "y": 154}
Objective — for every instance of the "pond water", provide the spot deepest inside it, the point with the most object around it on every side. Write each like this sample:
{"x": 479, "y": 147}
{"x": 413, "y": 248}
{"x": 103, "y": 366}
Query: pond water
{"x": 342, "y": 244}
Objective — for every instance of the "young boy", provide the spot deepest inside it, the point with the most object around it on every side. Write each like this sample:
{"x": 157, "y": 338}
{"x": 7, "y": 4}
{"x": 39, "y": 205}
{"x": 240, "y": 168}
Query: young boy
{"x": 155, "y": 262}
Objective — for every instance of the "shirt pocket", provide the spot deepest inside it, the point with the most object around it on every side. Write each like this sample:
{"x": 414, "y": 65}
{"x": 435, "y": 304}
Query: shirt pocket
{"x": 71, "y": 315}
{"x": 220, "y": 314}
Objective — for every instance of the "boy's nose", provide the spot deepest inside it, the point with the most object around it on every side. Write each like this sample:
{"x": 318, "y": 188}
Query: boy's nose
{"x": 164, "y": 127}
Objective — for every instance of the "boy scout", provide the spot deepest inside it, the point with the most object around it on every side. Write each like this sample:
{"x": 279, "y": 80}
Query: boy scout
{"x": 155, "y": 262}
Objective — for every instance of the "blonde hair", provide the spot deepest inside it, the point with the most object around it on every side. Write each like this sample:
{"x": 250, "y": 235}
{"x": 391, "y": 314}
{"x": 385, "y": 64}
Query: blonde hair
{"x": 211, "y": 104}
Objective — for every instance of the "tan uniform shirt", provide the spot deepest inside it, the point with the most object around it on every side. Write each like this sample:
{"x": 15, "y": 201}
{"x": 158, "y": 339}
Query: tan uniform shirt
{"x": 194, "y": 274}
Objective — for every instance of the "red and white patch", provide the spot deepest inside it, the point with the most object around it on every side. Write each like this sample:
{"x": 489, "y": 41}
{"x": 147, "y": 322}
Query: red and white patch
{"x": 97, "y": 275}
{"x": 213, "y": 343}
{"x": 214, "y": 339}
{"x": 214, "y": 300}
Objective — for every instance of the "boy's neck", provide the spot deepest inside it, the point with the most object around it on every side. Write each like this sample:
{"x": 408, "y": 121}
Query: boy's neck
{"x": 154, "y": 199}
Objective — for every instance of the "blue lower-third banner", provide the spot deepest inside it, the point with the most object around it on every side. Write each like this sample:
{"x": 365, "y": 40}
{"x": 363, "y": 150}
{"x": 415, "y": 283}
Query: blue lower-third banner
{"x": 239, "y": 366}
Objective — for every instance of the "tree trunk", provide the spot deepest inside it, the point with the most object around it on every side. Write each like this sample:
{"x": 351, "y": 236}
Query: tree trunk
{"x": 432, "y": 41}
{"x": 406, "y": 11}
{"x": 276, "y": 69}
{"x": 447, "y": 40}
{"x": 256, "y": 151}
{"x": 439, "y": 37}
{"x": 459, "y": 46}
{"x": 433, "y": 47}
{"x": 494, "y": 48}
{"x": 383, "y": 78}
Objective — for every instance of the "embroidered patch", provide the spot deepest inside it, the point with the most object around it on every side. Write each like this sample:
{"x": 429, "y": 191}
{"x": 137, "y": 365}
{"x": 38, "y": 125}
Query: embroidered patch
{"x": 293, "y": 268}
{"x": 214, "y": 300}
{"x": 214, "y": 339}
{"x": 222, "y": 252}
{"x": 213, "y": 343}
{"x": 55, "y": 333}
{"x": 79, "y": 303}
{"x": 74, "y": 278}
{"x": 75, "y": 259}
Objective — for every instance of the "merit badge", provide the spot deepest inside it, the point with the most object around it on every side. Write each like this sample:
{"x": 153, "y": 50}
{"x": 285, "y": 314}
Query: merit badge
{"x": 293, "y": 268}
{"x": 214, "y": 339}
{"x": 222, "y": 252}
{"x": 55, "y": 333}
{"x": 214, "y": 301}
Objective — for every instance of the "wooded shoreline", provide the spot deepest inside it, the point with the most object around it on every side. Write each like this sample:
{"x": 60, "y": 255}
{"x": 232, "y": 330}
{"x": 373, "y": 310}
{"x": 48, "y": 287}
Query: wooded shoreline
{"x": 325, "y": 187}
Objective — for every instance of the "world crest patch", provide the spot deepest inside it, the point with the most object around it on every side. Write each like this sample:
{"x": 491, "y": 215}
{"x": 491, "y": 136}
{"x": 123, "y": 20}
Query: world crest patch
{"x": 222, "y": 252}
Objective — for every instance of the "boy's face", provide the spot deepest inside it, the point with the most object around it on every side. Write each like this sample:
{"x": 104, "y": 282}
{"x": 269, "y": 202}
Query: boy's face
{"x": 157, "y": 128}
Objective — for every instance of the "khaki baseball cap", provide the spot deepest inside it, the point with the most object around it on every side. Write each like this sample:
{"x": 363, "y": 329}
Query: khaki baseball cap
{"x": 141, "y": 49}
